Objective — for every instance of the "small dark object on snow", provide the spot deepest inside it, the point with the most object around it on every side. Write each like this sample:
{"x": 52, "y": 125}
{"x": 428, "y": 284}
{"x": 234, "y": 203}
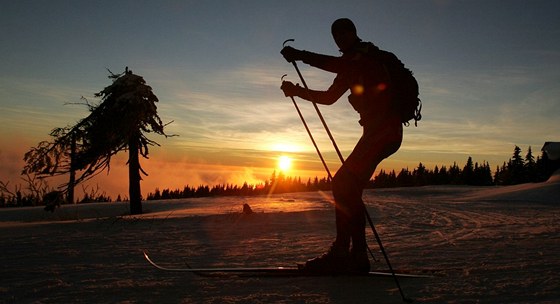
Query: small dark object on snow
{"x": 247, "y": 209}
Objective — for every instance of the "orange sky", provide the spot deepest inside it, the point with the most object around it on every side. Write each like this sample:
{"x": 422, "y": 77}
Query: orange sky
{"x": 174, "y": 168}
{"x": 488, "y": 74}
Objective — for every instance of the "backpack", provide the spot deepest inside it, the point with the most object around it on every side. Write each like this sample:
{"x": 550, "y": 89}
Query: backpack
{"x": 404, "y": 85}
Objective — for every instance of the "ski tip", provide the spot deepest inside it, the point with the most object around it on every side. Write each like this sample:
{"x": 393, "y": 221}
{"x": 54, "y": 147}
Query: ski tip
{"x": 147, "y": 257}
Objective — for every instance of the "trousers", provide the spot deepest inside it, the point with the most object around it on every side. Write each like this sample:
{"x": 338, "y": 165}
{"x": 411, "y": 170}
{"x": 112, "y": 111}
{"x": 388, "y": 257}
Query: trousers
{"x": 376, "y": 143}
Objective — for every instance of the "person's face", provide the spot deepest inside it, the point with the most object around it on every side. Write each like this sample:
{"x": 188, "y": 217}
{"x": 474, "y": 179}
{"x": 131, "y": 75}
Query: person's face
{"x": 344, "y": 39}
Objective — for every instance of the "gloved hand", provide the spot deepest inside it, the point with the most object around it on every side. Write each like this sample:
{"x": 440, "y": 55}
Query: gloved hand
{"x": 291, "y": 54}
{"x": 290, "y": 89}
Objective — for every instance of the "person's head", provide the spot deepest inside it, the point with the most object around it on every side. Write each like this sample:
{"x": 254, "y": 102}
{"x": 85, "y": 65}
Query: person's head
{"x": 344, "y": 33}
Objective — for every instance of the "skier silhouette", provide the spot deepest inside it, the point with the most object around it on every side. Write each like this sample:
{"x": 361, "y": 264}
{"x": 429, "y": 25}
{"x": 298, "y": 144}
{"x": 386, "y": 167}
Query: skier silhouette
{"x": 367, "y": 81}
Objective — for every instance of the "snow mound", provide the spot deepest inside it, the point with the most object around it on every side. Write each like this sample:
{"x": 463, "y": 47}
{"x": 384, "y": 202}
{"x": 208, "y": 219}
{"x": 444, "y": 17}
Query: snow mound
{"x": 547, "y": 192}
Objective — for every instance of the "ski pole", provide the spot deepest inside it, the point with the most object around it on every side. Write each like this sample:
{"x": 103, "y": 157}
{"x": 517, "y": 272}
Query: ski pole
{"x": 316, "y": 107}
{"x": 318, "y": 151}
{"x": 310, "y": 135}
{"x": 377, "y": 238}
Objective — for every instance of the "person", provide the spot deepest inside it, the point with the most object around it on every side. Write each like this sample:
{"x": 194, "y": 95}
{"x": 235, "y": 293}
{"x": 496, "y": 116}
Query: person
{"x": 370, "y": 95}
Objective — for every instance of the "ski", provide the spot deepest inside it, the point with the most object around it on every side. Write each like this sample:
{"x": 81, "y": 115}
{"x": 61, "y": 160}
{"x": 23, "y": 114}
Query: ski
{"x": 269, "y": 271}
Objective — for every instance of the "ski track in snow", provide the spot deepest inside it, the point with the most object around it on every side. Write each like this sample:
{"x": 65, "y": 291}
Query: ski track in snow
{"x": 478, "y": 251}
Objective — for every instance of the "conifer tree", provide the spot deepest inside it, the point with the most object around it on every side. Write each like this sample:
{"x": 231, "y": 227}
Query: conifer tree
{"x": 468, "y": 172}
{"x": 127, "y": 111}
{"x": 516, "y": 167}
{"x": 530, "y": 166}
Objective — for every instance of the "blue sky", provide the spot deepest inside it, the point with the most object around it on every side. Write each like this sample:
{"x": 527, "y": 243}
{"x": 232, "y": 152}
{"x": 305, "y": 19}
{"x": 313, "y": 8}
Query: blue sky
{"x": 488, "y": 74}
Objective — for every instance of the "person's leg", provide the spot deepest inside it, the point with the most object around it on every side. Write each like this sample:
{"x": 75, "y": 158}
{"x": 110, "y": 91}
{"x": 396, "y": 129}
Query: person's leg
{"x": 347, "y": 187}
{"x": 374, "y": 146}
{"x": 347, "y": 195}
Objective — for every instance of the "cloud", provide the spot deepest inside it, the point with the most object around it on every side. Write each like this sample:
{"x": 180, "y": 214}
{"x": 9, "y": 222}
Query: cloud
{"x": 241, "y": 107}
{"x": 35, "y": 106}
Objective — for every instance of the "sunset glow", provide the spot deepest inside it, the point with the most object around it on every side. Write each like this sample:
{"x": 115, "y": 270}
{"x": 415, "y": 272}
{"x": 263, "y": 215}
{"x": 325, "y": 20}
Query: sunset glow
{"x": 284, "y": 163}
{"x": 232, "y": 121}
{"x": 285, "y": 147}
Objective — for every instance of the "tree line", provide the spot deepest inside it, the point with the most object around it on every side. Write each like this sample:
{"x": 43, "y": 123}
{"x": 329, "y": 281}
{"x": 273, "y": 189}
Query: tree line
{"x": 278, "y": 183}
{"x": 517, "y": 170}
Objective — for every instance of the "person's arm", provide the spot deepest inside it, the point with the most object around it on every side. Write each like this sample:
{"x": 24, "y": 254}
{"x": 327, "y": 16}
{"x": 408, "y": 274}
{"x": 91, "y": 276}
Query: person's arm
{"x": 324, "y": 62}
{"x": 328, "y": 97}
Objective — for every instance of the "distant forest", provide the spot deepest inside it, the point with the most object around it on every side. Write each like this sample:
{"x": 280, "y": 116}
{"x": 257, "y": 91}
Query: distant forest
{"x": 519, "y": 169}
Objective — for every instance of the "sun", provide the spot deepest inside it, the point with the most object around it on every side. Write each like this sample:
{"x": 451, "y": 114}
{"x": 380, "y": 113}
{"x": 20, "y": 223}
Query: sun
{"x": 284, "y": 163}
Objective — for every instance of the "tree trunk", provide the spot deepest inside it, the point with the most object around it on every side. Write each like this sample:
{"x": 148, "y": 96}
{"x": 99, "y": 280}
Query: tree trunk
{"x": 134, "y": 175}
{"x": 72, "y": 180}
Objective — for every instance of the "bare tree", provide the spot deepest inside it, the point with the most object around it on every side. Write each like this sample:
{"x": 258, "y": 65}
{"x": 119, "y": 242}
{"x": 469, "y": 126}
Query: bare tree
{"x": 52, "y": 158}
{"x": 127, "y": 112}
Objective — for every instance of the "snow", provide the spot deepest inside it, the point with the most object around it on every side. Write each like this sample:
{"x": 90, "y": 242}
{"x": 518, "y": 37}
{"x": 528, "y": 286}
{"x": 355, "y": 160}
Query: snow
{"x": 487, "y": 245}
